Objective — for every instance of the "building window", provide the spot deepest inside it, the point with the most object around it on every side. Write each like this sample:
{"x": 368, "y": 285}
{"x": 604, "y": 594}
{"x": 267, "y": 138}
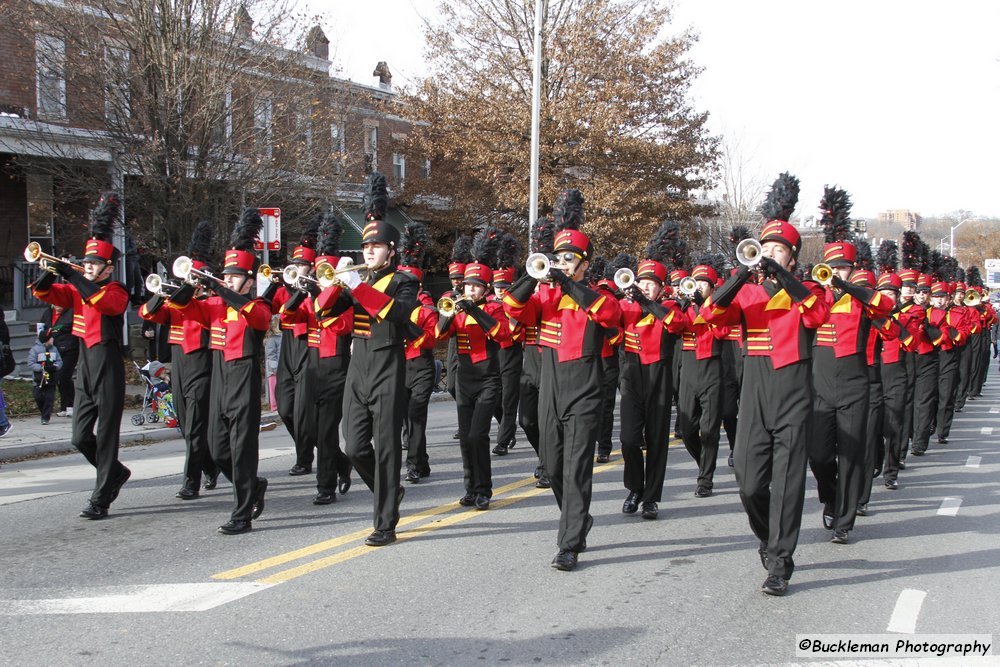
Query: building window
{"x": 371, "y": 148}
{"x": 262, "y": 125}
{"x": 337, "y": 137}
{"x": 118, "y": 103}
{"x": 425, "y": 170}
{"x": 38, "y": 189}
{"x": 304, "y": 128}
{"x": 50, "y": 82}
{"x": 398, "y": 168}
{"x": 222, "y": 128}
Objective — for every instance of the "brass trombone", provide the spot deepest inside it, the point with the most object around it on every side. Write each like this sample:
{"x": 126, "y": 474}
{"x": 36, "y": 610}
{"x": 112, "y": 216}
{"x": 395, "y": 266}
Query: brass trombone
{"x": 822, "y": 273}
{"x": 157, "y": 285}
{"x": 749, "y": 252}
{"x": 33, "y": 253}
{"x": 447, "y": 306}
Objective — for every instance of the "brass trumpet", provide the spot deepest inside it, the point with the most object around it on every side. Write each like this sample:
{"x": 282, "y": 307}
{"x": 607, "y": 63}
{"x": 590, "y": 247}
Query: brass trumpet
{"x": 447, "y": 306}
{"x": 33, "y": 253}
{"x": 624, "y": 278}
{"x": 269, "y": 272}
{"x": 538, "y": 266}
{"x": 972, "y": 298}
{"x": 688, "y": 286}
{"x": 326, "y": 275}
{"x": 749, "y": 252}
{"x": 822, "y": 273}
{"x": 156, "y": 284}
{"x": 183, "y": 268}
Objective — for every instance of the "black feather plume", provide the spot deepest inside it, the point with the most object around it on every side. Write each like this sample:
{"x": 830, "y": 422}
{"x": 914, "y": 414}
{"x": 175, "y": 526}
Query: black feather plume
{"x": 330, "y": 230}
{"x": 714, "y": 260}
{"x": 568, "y": 211}
{"x": 935, "y": 265}
{"x": 782, "y": 198}
{"x": 310, "y": 232}
{"x": 543, "y": 236}
{"x": 739, "y": 233}
{"x": 864, "y": 258}
{"x": 666, "y": 246}
{"x": 960, "y": 274}
{"x": 888, "y": 257}
{"x": 836, "y": 220}
{"x": 415, "y": 245}
{"x": 462, "y": 252}
{"x": 376, "y": 198}
{"x": 106, "y": 217}
{"x": 485, "y": 244}
{"x": 597, "y": 270}
{"x": 202, "y": 242}
{"x": 912, "y": 258}
{"x": 925, "y": 257}
{"x": 949, "y": 268}
{"x": 973, "y": 278}
{"x": 622, "y": 260}
{"x": 508, "y": 251}
{"x": 246, "y": 230}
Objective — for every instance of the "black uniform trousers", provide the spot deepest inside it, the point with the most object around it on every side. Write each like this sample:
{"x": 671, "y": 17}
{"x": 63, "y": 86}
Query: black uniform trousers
{"x": 44, "y": 394}
{"x": 909, "y": 361}
{"x": 191, "y": 377}
{"x": 983, "y": 363}
{"x": 569, "y": 413}
{"x": 894, "y": 395}
{"x": 610, "y": 392}
{"x": 964, "y": 371}
{"x": 770, "y": 455}
{"x": 948, "y": 363}
{"x": 700, "y": 408}
{"x": 325, "y": 380}
{"x": 732, "y": 377}
{"x": 479, "y": 390}
{"x": 451, "y": 366}
{"x": 925, "y": 399}
{"x": 527, "y": 415}
{"x": 294, "y": 404}
{"x": 675, "y": 375}
{"x": 234, "y": 426}
{"x": 100, "y": 399}
{"x": 511, "y": 363}
{"x": 645, "y": 418}
{"x": 374, "y": 407}
{"x": 70, "y": 358}
{"x": 874, "y": 433}
{"x": 419, "y": 385}
{"x": 837, "y": 432}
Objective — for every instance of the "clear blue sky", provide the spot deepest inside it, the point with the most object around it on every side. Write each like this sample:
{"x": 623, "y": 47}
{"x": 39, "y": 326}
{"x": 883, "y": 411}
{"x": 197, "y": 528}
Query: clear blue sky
{"x": 896, "y": 101}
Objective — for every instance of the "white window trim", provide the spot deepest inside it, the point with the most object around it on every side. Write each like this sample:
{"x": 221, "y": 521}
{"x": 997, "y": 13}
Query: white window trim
{"x": 260, "y": 103}
{"x": 120, "y": 87}
{"x": 399, "y": 160}
{"x": 52, "y": 48}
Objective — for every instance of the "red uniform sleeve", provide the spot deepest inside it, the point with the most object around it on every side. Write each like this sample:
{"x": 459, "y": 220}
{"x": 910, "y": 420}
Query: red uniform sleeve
{"x": 526, "y": 313}
{"x": 112, "y": 299}
{"x": 63, "y": 295}
{"x": 815, "y": 309}
{"x": 257, "y": 314}
{"x": 501, "y": 332}
{"x": 161, "y": 316}
{"x": 723, "y": 315}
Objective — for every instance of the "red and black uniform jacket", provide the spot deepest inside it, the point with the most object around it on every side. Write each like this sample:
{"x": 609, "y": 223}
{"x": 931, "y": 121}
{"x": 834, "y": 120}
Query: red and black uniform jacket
{"x": 329, "y": 332}
{"x": 646, "y": 334}
{"x": 472, "y": 338}
{"x": 424, "y": 316}
{"x": 700, "y": 337}
{"x": 236, "y": 333}
{"x": 187, "y": 333}
{"x": 98, "y": 318}
{"x": 848, "y": 327}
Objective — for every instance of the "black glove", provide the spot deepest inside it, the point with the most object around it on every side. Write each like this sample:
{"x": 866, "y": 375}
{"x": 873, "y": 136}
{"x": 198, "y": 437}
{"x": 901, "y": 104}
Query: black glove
{"x": 183, "y": 294}
{"x": 725, "y": 294}
{"x": 65, "y": 269}
{"x": 795, "y": 289}
{"x": 155, "y": 303}
{"x": 44, "y": 281}
{"x": 464, "y": 305}
{"x": 859, "y": 292}
{"x": 234, "y": 300}
{"x": 523, "y": 288}
{"x": 932, "y": 332}
{"x": 272, "y": 289}
{"x": 479, "y": 315}
{"x": 579, "y": 292}
{"x": 295, "y": 300}
{"x": 768, "y": 267}
{"x": 683, "y": 303}
{"x": 444, "y": 322}
{"x": 86, "y": 288}
{"x": 698, "y": 298}
{"x": 558, "y": 277}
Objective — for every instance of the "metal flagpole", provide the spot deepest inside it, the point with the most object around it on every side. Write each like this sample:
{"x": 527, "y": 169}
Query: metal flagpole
{"x": 536, "y": 106}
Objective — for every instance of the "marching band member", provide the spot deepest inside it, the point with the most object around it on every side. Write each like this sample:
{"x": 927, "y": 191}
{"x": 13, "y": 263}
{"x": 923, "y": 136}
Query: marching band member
{"x": 776, "y": 400}
{"x": 419, "y": 357}
{"x": 965, "y": 351}
{"x": 99, "y": 305}
{"x": 511, "y": 349}
{"x": 928, "y": 337}
{"x": 570, "y": 316}
{"x": 478, "y": 326}
{"x": 837, "y": 451}
{"x": 610, "y": 352}
{"x": 237, "y": 322}
{"x": 892, "y": 369}
{"x": 732, "y": 359}
{"x": 190, "y": 371}
{"x": 905, "y": 312}
{"x": 646, "y": 384}
{"x": 375, "y": 396}
{"x": 461, "y": 255}
{"x": 949, "y": 358}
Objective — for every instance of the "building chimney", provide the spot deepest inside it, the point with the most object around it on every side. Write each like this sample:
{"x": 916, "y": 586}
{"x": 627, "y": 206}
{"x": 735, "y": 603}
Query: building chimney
{"x": 243, "y": 22}
{"x": 383, "y": 74}
{"x": 317, "y": 43}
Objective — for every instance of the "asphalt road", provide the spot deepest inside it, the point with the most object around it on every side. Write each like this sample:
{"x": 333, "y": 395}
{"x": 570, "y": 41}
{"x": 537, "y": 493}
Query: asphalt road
{"x": 156, "y": 585}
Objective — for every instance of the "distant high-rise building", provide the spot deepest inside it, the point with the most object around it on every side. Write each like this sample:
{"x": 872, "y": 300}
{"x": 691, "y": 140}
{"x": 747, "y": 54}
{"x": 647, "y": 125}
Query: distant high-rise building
{"x": 910, "y": 220}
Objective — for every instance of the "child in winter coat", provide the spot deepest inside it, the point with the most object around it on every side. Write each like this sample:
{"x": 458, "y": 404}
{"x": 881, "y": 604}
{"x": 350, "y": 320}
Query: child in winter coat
{"x": 45, "y": 362}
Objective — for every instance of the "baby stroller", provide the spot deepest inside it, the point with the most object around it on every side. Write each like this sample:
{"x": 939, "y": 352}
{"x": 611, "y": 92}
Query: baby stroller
{"x": 158, "y": 401}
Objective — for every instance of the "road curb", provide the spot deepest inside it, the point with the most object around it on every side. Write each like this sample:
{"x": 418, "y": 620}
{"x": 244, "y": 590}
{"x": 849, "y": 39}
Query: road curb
{"x": 65, "y": 446}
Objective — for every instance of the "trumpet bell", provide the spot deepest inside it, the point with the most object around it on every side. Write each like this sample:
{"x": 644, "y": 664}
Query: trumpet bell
{"x": 971, "y": 299}
{"x": 688, "y": 286}
{"x": 822, "y": 273}
{"x": 446, "y": 306}
{"x": 33, "y": 252}
{"x": 291, "y": 274}
{"x": 538, "y": 266}
{"x": 749, "y": 252}
{"x": 326, "y": 274}
{"x": 182, "y": 267}
{"x": 153, "y": 283}
{"x": 624, "y": 278}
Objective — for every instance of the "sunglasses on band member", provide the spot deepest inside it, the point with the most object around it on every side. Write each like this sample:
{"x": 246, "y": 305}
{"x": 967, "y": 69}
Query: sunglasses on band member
{"x": 565, "y": 257}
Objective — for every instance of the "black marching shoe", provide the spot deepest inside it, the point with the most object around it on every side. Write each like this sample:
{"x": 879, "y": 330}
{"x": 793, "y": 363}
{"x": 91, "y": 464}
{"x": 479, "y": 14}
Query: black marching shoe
{"x": 187, "y": 493}
{"x": 539, "y": 471}
{"x": 731, "y": 465}
{"x": 543, "y": 482}
{"x": 839, "y": 536}
{"x": 412, "y": 476}
{"x": 762, "y": 552}
{"x": 456, "y": 436}
{"x": 915, "y": 452}
{"x": 323, "y": 498}
{"x": 511, "y": 444}
{"x": 565, "y": 560}
{"x": 482, "y": 502}
{"x": 94, "y": 512}
{"x": 892, "y": 485}
{"x": 258, "y": 497}
{"x": 649, "y": 510}
{"x": 942, "y": 440}
{"x": 235, "y": 527}
{"x": 500, "y": 449}
{"x": 603, "y": 458}
{"x": 702, "y": 492}
{"x": 344, "y": 481}
{"x": 120, "y": 482}
{"x": 828, "y": 516}
{"x": 862, "y": 509}
{"x": 210, "y": 482}
{"x": 380, "y": 538}
{"x": 774, "y": 585}
{"x": 468, "y": 500}
{"x": 631, "y": 504}
{"x": 297, "y": 470}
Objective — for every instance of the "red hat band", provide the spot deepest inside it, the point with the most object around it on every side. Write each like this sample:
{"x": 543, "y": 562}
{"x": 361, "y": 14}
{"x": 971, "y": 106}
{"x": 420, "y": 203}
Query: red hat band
{"x": 413, "y": 271}
{"x": 923, "y": 281}
{"x": 706, "y": 273}
{"x": 909, "y": 277}
{"x": 478, "y": 273}
{"x": 939, "y": 289}
{"x": 783, "y": 232}
{"x": 839, "y": 254}
{"x": 572, "y": 240}
{"x": 889, "y": 281}
{"x": 960, "y": 287}
{"x": 303, "y": 255}
{"x": 650, "y": 268}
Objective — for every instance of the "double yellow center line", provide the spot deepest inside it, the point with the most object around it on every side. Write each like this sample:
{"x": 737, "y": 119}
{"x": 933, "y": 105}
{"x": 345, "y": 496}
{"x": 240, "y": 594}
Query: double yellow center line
{"x": 328, "y": 545}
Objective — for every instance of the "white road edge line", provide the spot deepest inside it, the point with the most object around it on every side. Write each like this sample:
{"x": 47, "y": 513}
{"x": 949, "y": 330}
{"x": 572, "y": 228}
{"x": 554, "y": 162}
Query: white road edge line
{"x": 949, "y": 507}
{"x": 973, "y": 462}
{"x": 987, "y": 430}
{"x": 134, "y": 599}
{"x": 904, "y": 616}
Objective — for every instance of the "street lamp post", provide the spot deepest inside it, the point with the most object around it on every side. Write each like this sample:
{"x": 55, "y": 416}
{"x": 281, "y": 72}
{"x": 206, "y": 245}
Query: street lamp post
{"x": 952, "y": 246}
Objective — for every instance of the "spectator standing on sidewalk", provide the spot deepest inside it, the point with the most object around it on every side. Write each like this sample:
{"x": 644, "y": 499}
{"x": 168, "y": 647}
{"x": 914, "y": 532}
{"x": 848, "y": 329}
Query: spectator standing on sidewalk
{"x": 5, "y": 425}
{"x": 272, "y": 351}
{"x": 60, "y": 321}
{"x": 45, "y": 363}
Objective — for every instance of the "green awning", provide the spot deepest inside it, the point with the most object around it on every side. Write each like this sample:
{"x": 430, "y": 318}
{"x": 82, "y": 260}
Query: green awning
{"x": 350, "y": 240}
